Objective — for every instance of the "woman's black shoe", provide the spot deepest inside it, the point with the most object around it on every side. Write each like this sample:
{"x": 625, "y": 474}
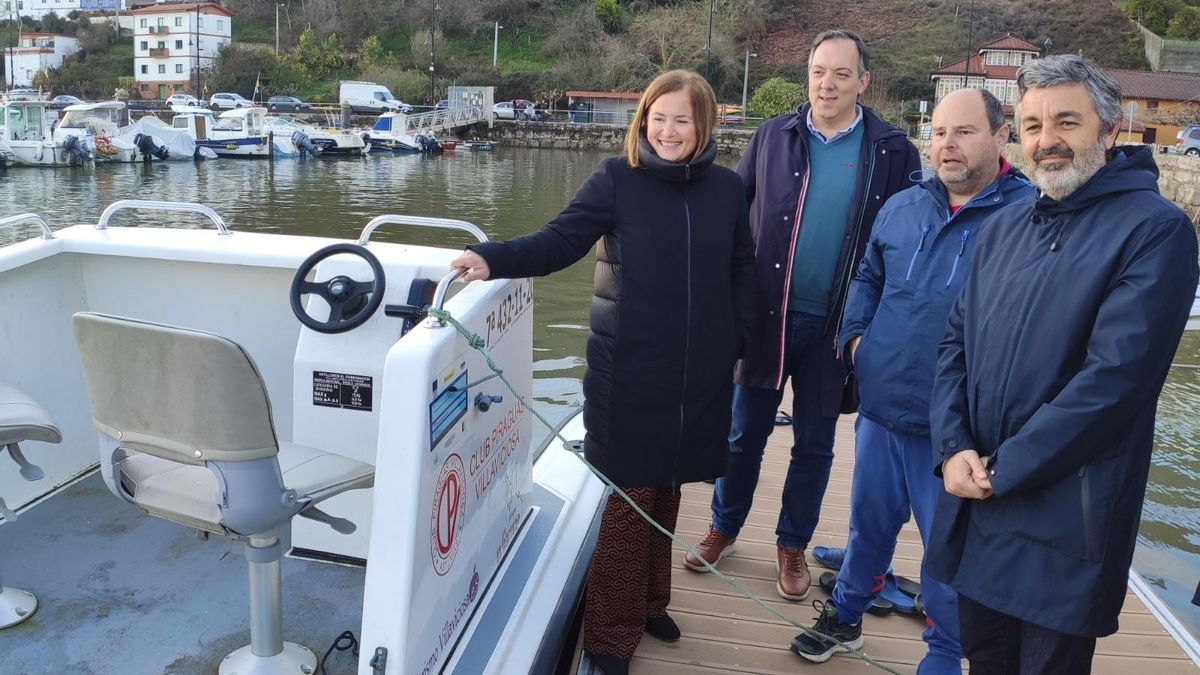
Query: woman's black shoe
{"x": 663, "y": 627}
{"x": 609, "y": 664}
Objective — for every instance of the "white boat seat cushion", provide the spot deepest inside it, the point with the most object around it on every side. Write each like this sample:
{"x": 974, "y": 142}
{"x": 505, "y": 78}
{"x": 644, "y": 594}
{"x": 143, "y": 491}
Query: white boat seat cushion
{"x": 23, "y": 420}
{"x": 187, "y": 494}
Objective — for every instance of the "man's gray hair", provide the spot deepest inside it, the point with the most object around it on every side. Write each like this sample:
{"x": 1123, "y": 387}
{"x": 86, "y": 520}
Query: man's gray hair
{"x": 1061, "y": 69}
{"x": 864, "y": 55}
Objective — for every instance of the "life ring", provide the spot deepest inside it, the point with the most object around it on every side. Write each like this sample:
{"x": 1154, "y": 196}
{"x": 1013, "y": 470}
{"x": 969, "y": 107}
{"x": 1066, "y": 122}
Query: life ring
{"x": 104, "y": 146}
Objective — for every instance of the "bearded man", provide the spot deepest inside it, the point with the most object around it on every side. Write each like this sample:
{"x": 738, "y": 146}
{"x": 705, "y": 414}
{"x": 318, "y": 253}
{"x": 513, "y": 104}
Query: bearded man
{"x": 1042, "y": 413}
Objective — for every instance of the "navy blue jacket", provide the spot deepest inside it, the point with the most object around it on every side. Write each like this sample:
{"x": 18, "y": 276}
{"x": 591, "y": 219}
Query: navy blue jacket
{"x": 775, "y": 171}
{"x": 1052, "y": 364}
{"x": 916, "y": 263}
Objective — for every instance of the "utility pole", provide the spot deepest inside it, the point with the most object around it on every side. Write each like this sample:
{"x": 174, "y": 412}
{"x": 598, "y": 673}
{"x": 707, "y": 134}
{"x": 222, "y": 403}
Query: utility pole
{"x": 277, "y": 27}
{"x": 708, "y": 56}
{"x": 496, "y": 45}
{"x": 432, "y": 50}
{"x": 746, "y": 82}
{"x": 970, "y": 39}
{"x": 196, "y": 33}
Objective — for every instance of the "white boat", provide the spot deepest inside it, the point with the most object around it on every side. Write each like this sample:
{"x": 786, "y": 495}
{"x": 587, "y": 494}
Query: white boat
{"x": 26, "y": 140}
{"x": 141, "y": 340}
{"x": 241, "y": 132}
{"x": 163, "y": 141}
{"x": 388, "y": 135}
{"x": 324, "y": 141}
{"x": 98, "y": 125}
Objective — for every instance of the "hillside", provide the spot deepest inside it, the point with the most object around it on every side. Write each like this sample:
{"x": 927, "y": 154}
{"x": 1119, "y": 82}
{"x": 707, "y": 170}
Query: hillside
{"x": 907, "y": 37}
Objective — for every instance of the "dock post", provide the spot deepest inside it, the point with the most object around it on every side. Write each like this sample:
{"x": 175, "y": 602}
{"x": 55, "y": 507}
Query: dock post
{"x": 346, "y": 111}
{"x": 271, "y": 146}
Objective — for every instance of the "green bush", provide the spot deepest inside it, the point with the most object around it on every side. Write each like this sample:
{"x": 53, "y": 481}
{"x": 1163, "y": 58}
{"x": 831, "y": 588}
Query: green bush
{"x": 1185, "y": 25}
{"x": 1155, "y": 15}
{"x": 609, "y": 13}
{"x": 776, "y": 97}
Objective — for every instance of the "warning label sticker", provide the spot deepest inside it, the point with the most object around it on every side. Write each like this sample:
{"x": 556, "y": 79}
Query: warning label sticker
{"x": 341, "y": 390}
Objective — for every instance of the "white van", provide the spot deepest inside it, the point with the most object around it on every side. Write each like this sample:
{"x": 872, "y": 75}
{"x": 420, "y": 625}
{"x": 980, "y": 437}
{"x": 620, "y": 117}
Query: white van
{"x": 369, "y": 97}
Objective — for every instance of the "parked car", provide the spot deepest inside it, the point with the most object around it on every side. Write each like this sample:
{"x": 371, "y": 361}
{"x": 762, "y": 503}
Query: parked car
{"x": 287, "y": 103}
{"x": 504, "y": 111}
{"x": 227, "y": 101}
{"x": 1187, "y": 141}
{"x": 442, "y": 105}
{"x": 184, "y": 99}
{"x": 369, "y": 97}
{"x": 64, "y": 100}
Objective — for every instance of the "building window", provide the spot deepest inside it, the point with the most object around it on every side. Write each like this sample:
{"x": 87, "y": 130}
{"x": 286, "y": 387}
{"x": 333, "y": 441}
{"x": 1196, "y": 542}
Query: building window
{"x": 141, "y": 23}
{"x": 145, "y": 70}
{"x": 994, "y": 59}
{"x": 179, "y": 44}
{"x": 179, "y": 21}
{"x": 1151, "y": 106}
{"x": 179, "y": 67}
{"x": 162, "y": 69}
{"x": 162, "y": 21}
{"x": 145, "y": 45}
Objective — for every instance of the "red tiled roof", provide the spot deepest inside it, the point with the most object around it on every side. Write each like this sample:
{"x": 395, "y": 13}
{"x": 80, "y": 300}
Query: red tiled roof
{"x": 176, "y": 7}
{"x": 622, "y": 95}
{"x": 1010, "y": 43}
{"x": 979, "y": 68}
{"x": 1158, "y": 86}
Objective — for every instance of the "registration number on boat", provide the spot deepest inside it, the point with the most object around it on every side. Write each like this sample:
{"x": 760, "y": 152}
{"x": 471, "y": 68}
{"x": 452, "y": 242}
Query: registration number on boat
{"x": 504, "y": 315}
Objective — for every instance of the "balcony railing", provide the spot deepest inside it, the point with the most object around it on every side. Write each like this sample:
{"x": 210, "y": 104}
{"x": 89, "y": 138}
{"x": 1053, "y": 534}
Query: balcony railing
{"x": 159, "y": 30}
{"x": 159, "y": 52}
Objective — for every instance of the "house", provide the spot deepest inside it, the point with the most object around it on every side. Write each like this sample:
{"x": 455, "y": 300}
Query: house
{"x": 1161, "y": 103}
{"x": 602, "y": 107}
{"x": 175, "y": 44}
{"x": 94, "y": 6}
{"x": 994, "y": 68}
{"x": 36, "y": 52}
{"x": 38, "y": 9}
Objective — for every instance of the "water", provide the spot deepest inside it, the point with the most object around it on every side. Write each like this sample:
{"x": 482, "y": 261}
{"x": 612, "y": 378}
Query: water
{"x": 509, "y": 192}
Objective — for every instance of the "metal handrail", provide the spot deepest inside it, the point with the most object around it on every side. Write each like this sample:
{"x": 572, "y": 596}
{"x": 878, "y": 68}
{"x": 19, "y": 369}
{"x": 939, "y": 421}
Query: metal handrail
{"x": 423, "y": 221}
{"x": 439, "y": 295}
{"x": 28, "y": 218}
{"x": 127, "y": 204}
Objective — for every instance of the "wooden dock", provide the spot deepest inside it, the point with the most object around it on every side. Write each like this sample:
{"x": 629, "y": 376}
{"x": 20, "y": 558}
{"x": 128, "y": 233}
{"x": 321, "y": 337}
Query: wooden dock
{"x": 724, "y": 632}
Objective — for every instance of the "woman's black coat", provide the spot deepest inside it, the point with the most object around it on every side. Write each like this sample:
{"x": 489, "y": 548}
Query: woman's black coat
{"x": 673, "y": 292}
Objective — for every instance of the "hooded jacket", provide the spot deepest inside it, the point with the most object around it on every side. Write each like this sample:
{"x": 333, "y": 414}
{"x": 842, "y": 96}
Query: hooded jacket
{"x": 916, "y": 262}
{"x": 1052, "y": 364}
{"x": 669, "y": 315}
{"x": 775, "y": 171}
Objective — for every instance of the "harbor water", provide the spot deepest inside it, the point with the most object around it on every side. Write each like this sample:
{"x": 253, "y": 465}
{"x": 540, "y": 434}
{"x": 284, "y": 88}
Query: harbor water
{"x": 509, "y": 192}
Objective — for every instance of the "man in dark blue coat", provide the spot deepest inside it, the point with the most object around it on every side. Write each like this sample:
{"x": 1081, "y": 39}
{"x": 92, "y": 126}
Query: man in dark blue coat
{"x": 1048, "y": 377}
{"x": 916, "y": 262}
{"x": 815, "y": 180}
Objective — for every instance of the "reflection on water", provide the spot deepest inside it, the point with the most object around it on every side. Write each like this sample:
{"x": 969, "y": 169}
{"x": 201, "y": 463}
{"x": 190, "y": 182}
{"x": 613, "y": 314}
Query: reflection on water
{"x": 511, "y": 192}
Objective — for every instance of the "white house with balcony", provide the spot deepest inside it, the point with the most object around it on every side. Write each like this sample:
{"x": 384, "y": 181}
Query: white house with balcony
{"x": 175, "y": 46}
{"x": 993, "y": 68}
{"x": 36, "y": 52}
{"x": 38, "y": 9}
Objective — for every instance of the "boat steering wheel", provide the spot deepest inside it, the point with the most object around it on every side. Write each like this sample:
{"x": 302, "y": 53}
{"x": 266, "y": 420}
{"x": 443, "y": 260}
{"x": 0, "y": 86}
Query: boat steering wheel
{"x": 351, "y": 302}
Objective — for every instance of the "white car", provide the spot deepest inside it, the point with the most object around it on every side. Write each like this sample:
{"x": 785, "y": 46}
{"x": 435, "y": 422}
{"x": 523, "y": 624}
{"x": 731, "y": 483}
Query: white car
{"x": 504, "y": 111}
{"x": 184, "y": 99}
{"x": 226, "y": 101}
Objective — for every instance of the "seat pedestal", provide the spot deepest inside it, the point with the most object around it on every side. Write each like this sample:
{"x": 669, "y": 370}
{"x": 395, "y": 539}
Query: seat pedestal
{"x": 15, "y": 606}
{"x": 293, "y": 660}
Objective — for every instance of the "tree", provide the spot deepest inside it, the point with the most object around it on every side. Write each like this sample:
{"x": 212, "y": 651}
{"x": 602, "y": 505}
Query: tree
{"x": 1185, "y": 25}
{"x": 371, "y": 53}
{"x": 776, "y": 97}
{"x": 1155, "y": 15}
{"x": 609, "y": 13}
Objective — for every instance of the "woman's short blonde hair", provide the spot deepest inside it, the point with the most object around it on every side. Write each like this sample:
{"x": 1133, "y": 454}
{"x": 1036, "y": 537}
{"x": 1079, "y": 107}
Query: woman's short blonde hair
{"x": 704, "y": 110}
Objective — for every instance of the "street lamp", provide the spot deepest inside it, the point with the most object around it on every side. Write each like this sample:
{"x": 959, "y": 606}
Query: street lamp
{"x": 432, "y": 39}
{"x": 496, "y": 45}
{"x": 746, "y": 81}
{"x": 277, "y": 6}
{"x": 712, "y": 11}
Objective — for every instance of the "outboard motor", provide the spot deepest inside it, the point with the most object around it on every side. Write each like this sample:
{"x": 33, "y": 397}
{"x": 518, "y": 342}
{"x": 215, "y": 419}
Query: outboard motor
{"x": 146, "y": 145}
{"x": 75, "y": 150}
{"x": 428, "y": 143}
{"x": 203, "y": 153}
{"x": 305, "y": 144}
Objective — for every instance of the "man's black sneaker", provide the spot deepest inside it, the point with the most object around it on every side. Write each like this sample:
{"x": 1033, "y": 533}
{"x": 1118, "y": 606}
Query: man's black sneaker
{"x": 820, "y": 649}
{"x": 663, "y": 627}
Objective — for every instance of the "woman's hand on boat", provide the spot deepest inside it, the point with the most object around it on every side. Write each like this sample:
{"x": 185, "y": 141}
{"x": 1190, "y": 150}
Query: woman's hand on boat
{"x": 474, "y": 264}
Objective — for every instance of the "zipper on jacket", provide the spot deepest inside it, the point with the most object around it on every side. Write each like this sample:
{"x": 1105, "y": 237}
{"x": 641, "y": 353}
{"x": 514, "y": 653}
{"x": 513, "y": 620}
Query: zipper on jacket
{"x": 1086, "y": 502}
{"x": 787, "y": 279}
{"x": 961, "y": 249}
{"x": 920, "y": 247}
{"x": 687, "y": 342}
{"x": 850, "y": 268}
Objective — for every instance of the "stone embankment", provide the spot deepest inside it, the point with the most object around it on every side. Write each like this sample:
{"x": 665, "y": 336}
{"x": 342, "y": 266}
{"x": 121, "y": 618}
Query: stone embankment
{"x": 1179, "y": 178}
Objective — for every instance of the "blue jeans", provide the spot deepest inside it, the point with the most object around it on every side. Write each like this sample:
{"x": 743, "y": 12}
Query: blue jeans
{"x": 812, "y": 448}
{"x": 893, "y": 474}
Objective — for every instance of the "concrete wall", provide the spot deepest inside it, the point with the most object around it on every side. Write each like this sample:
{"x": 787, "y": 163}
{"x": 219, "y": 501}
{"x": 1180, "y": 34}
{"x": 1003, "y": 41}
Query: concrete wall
{"x": 1177, "y": 56}
{"x": 1179, "y": 180}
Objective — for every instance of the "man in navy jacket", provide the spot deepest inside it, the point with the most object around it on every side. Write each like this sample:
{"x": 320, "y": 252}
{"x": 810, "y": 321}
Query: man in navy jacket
{"x": 1048, "y": 377}
{"x": 916, "y": 262}
{"x": 815, "y": 180}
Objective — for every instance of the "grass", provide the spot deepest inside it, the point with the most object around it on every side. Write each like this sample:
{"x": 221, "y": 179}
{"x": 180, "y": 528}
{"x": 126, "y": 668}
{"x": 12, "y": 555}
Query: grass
{"x": 253, "y": 30}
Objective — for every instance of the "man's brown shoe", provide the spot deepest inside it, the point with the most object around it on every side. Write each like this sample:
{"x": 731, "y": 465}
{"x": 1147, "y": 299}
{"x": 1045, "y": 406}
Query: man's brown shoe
{"x": 713, "y": 547}
{"x": 794, "y": 579}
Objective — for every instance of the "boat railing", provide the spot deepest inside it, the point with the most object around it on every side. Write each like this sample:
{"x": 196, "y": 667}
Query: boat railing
{"x": 439, "y": 296}
{"x": 28, "y": 218}
{"x": 420, "y": 221}
{"x": 143, "y": 204}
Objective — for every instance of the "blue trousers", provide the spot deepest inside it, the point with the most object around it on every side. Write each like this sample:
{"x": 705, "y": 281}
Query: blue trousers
{"x": 893, "y": 475}
{"x": 812, "y": 448}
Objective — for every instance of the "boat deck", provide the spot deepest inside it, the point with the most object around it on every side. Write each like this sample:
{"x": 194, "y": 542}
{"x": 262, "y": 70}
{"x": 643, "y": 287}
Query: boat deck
{"x": 726, "y": 633}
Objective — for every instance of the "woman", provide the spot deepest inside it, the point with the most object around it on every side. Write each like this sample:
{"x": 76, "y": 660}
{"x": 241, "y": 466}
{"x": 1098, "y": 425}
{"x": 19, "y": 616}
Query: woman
{"x": 673, "y": 291}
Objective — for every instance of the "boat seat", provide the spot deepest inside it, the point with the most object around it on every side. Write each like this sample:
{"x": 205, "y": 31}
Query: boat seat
{"x": 21, "y": 420}
{"x": 187, "y": 435}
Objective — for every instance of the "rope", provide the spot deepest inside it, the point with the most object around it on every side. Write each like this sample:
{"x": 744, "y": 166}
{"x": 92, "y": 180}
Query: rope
{"x": 479, "y": 344}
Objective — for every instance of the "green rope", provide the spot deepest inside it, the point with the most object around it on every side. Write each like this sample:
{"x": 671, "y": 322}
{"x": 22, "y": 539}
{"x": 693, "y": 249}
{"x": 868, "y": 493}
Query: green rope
{"x": 476, "y": 342}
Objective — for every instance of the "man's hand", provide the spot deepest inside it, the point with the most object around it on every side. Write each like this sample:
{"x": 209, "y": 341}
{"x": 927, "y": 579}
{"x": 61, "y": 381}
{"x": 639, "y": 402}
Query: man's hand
{"x": 965, "y": 475}
{"x": 474, "y": 264}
